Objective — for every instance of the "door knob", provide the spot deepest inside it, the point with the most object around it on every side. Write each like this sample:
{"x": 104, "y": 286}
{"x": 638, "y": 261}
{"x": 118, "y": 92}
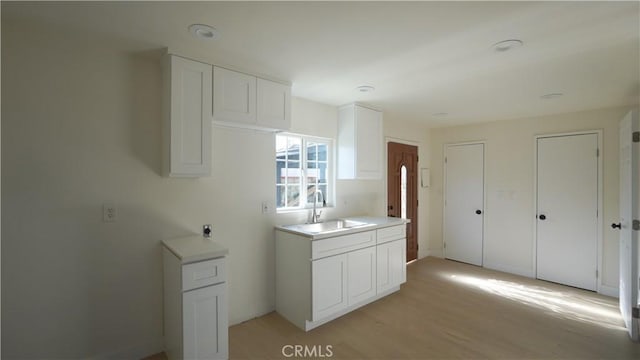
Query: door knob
{"x": 478, "y": 212}
{"x": 618, "y": 226}
{"x": 542, "y": 217}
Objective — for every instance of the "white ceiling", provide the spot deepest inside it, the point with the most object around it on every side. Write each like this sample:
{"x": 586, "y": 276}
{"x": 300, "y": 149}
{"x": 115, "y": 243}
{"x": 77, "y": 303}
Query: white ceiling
{"x": 422, "y": 57}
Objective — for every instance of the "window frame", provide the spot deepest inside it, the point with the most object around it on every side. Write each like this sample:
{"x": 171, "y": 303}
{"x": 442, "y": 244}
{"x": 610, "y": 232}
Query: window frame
{"x": 303, "y": 158}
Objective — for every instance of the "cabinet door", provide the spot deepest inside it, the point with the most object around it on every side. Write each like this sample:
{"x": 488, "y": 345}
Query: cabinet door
{"x": 391, "y": 268}
{"x": 361, "y": 273}
{"x": 188, "y": 119}
{"x": 234, "y": 96}
{"x": 329, "y": 279}
{"x": 273, "y": 105}
{"x": 369, "y": 143}
{"x": 205, "y": 323}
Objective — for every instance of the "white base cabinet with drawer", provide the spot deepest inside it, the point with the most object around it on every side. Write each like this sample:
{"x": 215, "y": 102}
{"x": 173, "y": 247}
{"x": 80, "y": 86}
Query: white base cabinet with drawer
{"x": 196, "y": 324}
{"x": 320, "y": 280}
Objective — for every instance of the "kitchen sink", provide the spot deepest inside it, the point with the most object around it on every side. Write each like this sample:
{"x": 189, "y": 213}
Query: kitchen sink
{"x": 328, "y": 226}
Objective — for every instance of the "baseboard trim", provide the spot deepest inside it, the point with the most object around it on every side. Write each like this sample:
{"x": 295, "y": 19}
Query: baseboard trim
{"x": 510, "y": 269}
{"x": 609, "y": 291}
{"x": 435, "y": 253}
{"x": 310, "y": 325}
{"x": 138, "y": 351}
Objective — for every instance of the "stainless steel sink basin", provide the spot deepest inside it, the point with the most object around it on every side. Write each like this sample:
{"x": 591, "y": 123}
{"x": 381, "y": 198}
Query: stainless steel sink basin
{"x": 328, "y": 226}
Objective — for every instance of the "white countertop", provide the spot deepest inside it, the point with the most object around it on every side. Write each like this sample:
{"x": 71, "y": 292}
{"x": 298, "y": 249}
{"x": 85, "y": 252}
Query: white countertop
{"x": 373, "y": 223}
{"x": 195, "y": 248}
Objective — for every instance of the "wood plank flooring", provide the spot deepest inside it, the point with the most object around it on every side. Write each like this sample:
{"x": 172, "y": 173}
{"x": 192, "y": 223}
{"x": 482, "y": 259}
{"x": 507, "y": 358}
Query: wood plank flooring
{"x": 449, "y": 310}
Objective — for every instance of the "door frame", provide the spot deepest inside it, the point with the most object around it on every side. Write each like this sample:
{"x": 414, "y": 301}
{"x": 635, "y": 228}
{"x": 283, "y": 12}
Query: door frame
{"x": 599, "y": 229}
{"x": 484, "y": 191}
{"x": 387, "y": 140}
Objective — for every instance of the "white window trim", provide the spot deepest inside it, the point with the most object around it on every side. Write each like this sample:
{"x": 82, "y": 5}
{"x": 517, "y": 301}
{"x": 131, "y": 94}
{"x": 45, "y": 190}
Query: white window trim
{"x": 303, "y": 160}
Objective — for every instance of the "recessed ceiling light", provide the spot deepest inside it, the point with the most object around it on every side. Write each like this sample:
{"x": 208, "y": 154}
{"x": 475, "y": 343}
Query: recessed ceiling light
{"x": 440, "y": 114}
{"x": 204, "y": 32}
{"x": 507, "y": 45}
{"x": 365, "y": 88}
{"x": 551, "y": 96}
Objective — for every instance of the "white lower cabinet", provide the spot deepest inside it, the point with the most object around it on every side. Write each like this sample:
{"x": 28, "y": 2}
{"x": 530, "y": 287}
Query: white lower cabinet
{"x": 329, "y": 279}
{"x": 361, "y": 275}
{"x": 318, "y": 280}
{"x": 196, "y": 324}
{"x": 204, "y": 333}
{"x": 391, "y": 269}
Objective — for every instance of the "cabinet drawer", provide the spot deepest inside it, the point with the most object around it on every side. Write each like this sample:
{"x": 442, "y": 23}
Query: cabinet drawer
{"x": 203, "y": 273}
{"x": 391, "y": 233}
{"x": 341, "y": 244}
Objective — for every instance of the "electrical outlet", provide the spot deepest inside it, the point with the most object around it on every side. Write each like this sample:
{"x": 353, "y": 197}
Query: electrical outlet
{"x": 109, "y": 212}
{"x": 267, "y": 207}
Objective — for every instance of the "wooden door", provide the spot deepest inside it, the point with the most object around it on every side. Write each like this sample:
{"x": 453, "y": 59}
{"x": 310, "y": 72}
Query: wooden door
{"x": 402, "y": 190}
{"x": 629, "y": 210}
{"x": 567, "y": 210}
{"x": 464, "y": 203}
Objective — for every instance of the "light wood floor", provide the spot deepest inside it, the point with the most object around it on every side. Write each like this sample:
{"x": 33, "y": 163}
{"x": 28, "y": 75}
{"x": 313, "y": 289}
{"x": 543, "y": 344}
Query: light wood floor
{"x": 449, "y": 310}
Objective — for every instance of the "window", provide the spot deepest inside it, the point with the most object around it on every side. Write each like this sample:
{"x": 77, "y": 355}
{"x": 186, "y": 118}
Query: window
{"x": 302, "y": 171}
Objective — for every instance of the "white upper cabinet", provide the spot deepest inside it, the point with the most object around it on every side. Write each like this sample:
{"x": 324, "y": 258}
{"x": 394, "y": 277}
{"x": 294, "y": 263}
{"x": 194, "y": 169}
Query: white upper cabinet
{"x": 234, "y": 96}
{"x": 187, "y": 117}
{"x": 248, "y": 101}
{"x": 360, "y": 143}
{"x": 274, "y": 105}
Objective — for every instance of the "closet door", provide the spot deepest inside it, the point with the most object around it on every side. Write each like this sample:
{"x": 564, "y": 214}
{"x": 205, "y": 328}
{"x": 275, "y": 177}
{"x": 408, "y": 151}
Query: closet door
{"x": 567, "y": 209}
{"x": 464, "y": 203}
{"x": 629, "y": 210}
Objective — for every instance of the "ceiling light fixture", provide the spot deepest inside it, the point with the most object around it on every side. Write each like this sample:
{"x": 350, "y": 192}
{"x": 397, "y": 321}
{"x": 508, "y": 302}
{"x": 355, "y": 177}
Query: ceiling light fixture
{"x": 507, "y": 45}
{"x": 365, "y": 88}
{"x": 204, "y": 32}
{"x": 551, "y": 96}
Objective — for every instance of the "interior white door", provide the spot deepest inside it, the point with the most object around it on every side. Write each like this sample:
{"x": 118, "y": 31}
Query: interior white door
{"x": 629, "y": 210}
{"x": 567, "y": 210}
{"x": 464, "y": 203}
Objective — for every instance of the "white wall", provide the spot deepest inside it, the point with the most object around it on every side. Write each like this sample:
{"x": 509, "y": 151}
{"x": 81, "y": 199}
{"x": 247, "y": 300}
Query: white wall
{"x": 510, "y": 214}
{"x": 82, "y": 126}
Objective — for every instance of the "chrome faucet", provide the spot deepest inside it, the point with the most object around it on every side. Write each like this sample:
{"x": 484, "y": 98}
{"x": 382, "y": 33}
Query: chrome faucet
{"x": 315, "y": 216}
